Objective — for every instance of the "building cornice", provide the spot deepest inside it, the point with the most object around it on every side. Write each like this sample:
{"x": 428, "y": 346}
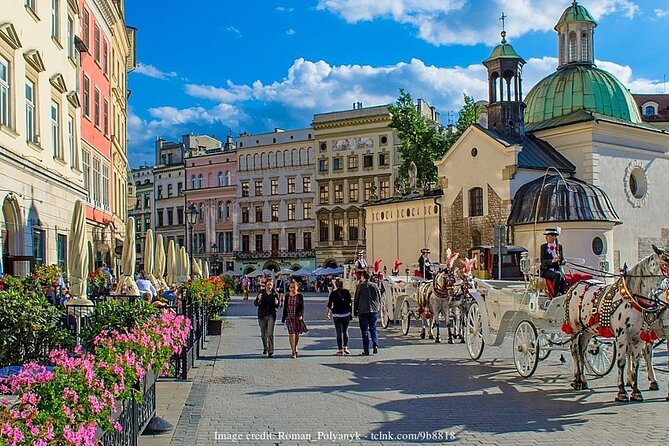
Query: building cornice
{"x": 350, "y": 122}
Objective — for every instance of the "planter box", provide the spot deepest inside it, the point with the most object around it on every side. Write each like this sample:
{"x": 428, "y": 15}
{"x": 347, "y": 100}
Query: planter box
{"x": 214, "y": 327}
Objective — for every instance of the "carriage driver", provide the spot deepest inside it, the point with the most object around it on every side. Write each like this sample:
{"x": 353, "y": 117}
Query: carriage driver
{"x": 360, "y": 265}
{"x": 552, "y": 259}
{"x": 424, "y": 264}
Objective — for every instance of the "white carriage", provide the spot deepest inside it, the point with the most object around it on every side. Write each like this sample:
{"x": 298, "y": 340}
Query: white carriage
{"x": 524, "y": 310}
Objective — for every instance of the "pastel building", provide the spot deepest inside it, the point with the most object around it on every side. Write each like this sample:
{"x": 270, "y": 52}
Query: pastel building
{"x": 211, "y": 173}
{"x": 275, "y": 201}
{"x": 39, "y": 131}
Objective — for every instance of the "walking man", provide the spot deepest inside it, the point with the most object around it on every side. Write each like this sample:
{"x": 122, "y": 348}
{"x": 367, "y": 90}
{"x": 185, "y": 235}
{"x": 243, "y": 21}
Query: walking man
{"x": 366, "y": 308}
{"x": 267, "y": 301}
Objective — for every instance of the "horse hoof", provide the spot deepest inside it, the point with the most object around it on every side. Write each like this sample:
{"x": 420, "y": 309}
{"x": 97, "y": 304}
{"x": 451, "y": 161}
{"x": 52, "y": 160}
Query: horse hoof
{"x": 462, "y": 340}
{"x": 422, "y": 335}
{"x": 437, "y": 341}
{"x": 636, "y": 397}
{"x": 622, "y": 398}
{"x": 584, "y": 386}
{"x": 654, "y": 386}
{"x": 667, "y": 398}
{"x": 450, "y": 341}
{"x": 431, "y": 337}
{"x": 577, "y": 385}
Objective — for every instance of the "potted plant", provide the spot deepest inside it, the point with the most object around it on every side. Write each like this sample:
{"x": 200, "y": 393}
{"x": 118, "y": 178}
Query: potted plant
{"x": 213, "y": 291}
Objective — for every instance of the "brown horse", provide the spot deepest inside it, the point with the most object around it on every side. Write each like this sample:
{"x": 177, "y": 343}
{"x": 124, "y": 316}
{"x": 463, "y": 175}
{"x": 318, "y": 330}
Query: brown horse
{"x": 616, "y": 311}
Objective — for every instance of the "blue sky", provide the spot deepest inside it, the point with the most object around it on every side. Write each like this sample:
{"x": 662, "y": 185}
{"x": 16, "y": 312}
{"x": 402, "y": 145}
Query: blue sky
{"x": 253, "y": 65}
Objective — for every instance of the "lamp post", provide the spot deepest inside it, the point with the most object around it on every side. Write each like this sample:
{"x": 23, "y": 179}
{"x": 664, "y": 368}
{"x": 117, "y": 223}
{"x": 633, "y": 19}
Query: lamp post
{"x": 191, "y": 217}
{"x": 214, "y": 259}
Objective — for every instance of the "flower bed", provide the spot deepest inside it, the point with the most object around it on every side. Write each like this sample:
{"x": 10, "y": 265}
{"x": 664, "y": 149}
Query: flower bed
{"x": 69, "y": 402}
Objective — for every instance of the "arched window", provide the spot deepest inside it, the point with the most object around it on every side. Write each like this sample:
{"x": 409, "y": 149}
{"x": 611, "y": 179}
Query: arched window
{"x": 242, "y": 163}
{"x": 301, "y": 156}
{"x": 475, "y": 202}
{"x": 221, "y": 179}
{"x": 286, "y": 158}
{"x": 310, "y": 155}
{"x": 279, "y": 159}
{"x": 200, "y": 215}
{"x": 221, "y": 210}
{"x": 193, "y": 183}
{"x": 585, "y": 47}
{"x": 228, "y": 178}
{"x": 228, "y": 209}
{"x": 293, "y": 158}
{"x": 200, "y": 181}
{"x": 573, "y": 48}
{"x": 649, "y": 110}
{"x": 263, "y": 160}
{"x": 256, "y": 162}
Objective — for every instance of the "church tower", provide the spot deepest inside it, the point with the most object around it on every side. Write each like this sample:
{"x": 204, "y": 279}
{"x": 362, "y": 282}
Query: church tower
{"x": 505, "y": 92}
{"x": 575, "y": 31}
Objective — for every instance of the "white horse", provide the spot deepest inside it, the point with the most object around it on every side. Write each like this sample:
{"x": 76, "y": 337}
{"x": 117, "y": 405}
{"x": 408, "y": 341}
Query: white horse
{"x": 613, "y": 311}
{"x": 436, "y": 298}
{"x": 656, "y": 328}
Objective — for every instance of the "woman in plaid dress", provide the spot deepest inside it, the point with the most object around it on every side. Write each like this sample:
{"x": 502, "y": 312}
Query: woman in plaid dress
{"x": 293, "y": 316}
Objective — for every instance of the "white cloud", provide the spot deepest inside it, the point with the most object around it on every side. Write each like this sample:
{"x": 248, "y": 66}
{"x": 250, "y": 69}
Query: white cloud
{"x": 233, "y": 93}
{"x": 284, "y": 9}
{"x": 290, "y": 32}
{"x": 444, "y": 22}
{"x": 151, "y": 71}
{"x": 660, "y": 12}
{"x": 234, "y": 31}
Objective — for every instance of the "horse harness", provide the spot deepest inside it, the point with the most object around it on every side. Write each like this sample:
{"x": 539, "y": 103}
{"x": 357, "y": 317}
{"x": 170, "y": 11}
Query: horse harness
{"x": 603, "y": 307}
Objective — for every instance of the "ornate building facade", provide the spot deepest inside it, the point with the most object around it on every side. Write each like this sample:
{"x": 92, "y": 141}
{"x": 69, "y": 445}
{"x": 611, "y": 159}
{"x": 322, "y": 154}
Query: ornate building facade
{"x": 275, "y": 201}
{"x": 39, "y": 131}
{"x": 211, "y": 175}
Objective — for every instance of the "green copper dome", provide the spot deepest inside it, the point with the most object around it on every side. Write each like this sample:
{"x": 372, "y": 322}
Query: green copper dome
{"x": 575, "y": 13}
{"x": 503, "y": 51}
{"x": 576, "y": 87}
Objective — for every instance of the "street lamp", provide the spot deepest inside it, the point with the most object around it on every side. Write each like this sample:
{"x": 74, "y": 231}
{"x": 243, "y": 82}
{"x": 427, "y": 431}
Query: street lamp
{"x": 191, "y": 217}
{"x": 214, "y": 259}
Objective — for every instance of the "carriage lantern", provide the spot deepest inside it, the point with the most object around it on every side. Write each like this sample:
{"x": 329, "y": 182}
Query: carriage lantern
{"x": 603, "y": 264}
{"x": 525, "y": 263}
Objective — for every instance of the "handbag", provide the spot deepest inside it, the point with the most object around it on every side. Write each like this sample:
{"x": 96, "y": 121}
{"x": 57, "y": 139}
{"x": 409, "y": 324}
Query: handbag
{"x": 302, "y": 326}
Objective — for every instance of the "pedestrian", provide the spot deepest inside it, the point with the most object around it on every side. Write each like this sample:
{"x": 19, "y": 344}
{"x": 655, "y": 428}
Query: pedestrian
{"x": 246, "y": 283}
{"x": 267, "y": 301}
{"x": 293, "y": 316}
{"x": 280, "y": 289}
{"x": 366, "y": 308}
{"x": 340, "y": 305}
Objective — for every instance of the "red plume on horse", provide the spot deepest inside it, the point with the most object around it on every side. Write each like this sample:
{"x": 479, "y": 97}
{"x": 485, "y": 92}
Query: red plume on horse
{"x": 396, "y": 267}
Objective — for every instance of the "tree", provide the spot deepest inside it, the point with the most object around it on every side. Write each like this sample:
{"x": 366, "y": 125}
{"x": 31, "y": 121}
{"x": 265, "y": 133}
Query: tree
{"x": 423, "y": 140}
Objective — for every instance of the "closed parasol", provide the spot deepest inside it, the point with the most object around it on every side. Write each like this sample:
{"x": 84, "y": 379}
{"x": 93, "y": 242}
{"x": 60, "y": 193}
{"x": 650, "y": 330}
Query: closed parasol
{"x": 171, "y": 262}
{"x": 159, "y": 267}
{"x": 126, "y": 283}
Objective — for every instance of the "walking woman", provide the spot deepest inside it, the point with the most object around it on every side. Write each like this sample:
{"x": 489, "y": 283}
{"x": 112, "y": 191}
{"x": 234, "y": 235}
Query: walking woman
{"x": 267, "y": 301}
{"x": 340, "y": 304}
{"x": 293, "y": 316}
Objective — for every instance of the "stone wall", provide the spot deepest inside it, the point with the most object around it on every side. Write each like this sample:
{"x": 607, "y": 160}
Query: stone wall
{"x": 461, "y": 232}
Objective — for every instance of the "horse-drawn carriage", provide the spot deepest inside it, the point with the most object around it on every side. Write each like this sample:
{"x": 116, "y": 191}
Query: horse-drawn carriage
{"x": 534, "y": 320}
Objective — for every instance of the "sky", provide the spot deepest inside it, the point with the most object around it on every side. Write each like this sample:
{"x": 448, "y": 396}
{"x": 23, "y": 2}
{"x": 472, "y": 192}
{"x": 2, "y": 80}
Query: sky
{"x": 224, "y": 67}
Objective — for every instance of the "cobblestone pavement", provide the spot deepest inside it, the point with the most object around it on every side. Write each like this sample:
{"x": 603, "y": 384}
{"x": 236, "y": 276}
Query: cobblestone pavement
{"x": 413, "y": 392}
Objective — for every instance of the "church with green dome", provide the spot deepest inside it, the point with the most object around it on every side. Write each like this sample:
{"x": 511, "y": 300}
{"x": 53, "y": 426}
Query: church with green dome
{"x": 573, "y": 153}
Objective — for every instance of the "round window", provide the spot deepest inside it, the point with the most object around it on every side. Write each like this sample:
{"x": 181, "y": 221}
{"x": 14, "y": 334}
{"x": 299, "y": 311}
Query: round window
{"x": 384, "y": 140}
{"x": 636, "y": 184}
{"x": 323, "y": 146}
{"x": 475, "y": 151}
{"x": 598, "y": 246}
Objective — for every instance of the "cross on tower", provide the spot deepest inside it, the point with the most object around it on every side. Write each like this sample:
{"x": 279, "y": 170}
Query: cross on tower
{"x": 502, "y": 19}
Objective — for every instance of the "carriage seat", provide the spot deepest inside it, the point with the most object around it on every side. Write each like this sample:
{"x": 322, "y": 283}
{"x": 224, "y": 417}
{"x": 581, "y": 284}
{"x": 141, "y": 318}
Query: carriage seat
{"x": 417, "y": 273}
{"x": 571, "y": 278}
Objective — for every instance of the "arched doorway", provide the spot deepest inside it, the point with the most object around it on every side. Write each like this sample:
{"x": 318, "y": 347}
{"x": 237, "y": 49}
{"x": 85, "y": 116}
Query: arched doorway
{"x": 330, "y": 263}
{"x": 272, "y": 265}
{"x": 12, "y": 234}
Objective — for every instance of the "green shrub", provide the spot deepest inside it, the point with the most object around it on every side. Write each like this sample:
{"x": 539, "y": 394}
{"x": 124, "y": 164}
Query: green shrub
{"x": 116, "y": 314}
{"x": 29, "y": 326}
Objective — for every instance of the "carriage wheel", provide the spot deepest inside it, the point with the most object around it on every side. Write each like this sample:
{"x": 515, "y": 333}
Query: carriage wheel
{"x": 474, "y": 333}
{"x": 600, "y": 355}
{"x": 385, "y": 317}
{"x": 405, "y": 314}
{"x": 545, "y": 347}
{"x": 525, "y": 349}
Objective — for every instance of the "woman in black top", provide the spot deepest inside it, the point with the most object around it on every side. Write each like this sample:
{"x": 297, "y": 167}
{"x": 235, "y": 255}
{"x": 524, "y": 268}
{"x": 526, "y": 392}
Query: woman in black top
{"x": 340, "y": 305}
{"x": 267, "y": 301}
